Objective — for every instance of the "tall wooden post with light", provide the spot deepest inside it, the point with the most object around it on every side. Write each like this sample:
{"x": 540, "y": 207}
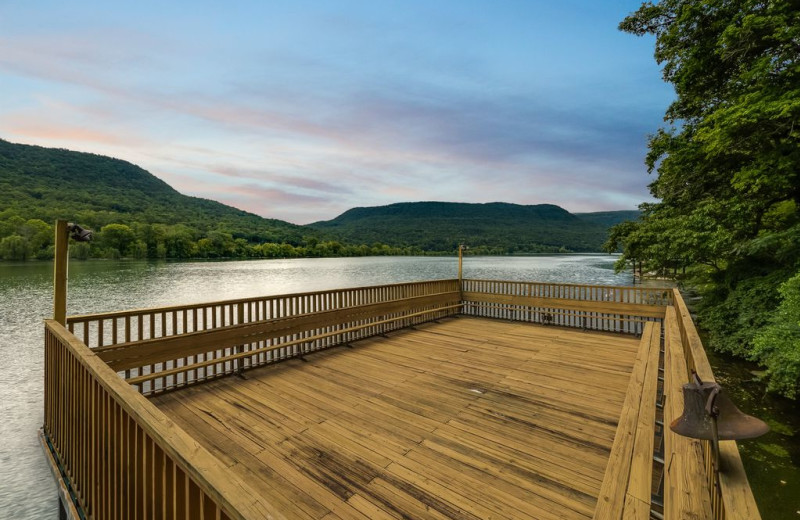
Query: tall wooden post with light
{"x": 461, "y": 248}
{"x": 60, "y": 272}
{"x": 64, "y": 230}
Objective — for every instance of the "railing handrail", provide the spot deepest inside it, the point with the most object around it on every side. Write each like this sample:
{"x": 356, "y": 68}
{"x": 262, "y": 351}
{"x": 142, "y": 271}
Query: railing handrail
{"x": 626, "y": 488}
{"x": 734, "y": 499}
{"x": 199, "y": 305}
{"x": 204, "y": 468}
{"x": 737, "y": 496}
{"x": 568, "y": 284}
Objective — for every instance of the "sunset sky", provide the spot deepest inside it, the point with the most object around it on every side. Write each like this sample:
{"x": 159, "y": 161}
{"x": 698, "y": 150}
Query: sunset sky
{"x": 299, "y": 110}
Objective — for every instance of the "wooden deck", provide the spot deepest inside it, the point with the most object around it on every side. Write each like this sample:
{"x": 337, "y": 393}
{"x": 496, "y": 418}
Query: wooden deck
{"x": 469, "y": 418}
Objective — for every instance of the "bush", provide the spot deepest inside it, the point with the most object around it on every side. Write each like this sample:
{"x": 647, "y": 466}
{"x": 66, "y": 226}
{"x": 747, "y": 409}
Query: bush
{"x": 14, "y": 247}
{"x": 777, "y": 345}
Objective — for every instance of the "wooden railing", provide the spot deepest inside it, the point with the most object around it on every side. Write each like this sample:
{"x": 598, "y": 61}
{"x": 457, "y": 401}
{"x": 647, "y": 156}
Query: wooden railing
{"x": 111, "y": 328}
{"x": 188, "y": 345}
{"x": 124, "y": 458}
{"x": 626, "y": 491}
{"x": 691, "y": 486}
{"x": 164, "y": 348}
{"x": 121, "y": 456}
{"x": 724, "y": 495}
{"x": 595, "y": 307}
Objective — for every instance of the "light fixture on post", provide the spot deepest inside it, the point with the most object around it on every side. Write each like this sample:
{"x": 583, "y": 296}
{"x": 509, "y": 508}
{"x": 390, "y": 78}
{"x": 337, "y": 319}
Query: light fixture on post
{"x": 78, "y": 233}
{"x": 708, "y": 413}
{"x": 64, "y": 231}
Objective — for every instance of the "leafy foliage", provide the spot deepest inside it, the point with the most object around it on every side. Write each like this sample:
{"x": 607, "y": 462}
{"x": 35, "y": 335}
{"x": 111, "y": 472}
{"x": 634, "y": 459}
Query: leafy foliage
{"x": 727, "y": 161}
{"x": 778, "y": 344}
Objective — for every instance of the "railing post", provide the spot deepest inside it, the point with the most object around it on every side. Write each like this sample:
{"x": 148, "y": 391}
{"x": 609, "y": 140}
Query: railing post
{"x": 461, "y": 248}
{"x": 60, "y": 272}
{"x": 238, "y": 364}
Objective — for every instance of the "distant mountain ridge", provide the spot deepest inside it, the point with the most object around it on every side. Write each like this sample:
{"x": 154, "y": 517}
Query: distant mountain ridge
{"x": 495, "y": 227}
{"x": 609, "y": 218}
{"x": 95, "y": 191}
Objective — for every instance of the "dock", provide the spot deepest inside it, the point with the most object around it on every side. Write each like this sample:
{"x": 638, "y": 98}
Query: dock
{"x": 447, "y": 399}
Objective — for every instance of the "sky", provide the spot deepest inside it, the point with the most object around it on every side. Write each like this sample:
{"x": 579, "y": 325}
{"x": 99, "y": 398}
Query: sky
{"x": 300, "y": 110}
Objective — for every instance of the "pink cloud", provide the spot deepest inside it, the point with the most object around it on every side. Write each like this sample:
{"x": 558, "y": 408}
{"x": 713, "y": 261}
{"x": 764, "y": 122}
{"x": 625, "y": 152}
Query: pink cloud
{"x": 44, "y": 133}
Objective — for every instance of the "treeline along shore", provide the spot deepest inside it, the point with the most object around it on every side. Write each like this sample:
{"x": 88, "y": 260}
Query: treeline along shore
{"x": 33, "y": 239}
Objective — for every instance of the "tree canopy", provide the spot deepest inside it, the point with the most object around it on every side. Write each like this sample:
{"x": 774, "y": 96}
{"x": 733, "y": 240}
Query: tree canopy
{"x": 727, "y": 160}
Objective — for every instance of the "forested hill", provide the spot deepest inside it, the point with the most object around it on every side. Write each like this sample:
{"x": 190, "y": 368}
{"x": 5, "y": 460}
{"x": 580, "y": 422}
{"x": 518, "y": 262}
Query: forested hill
{"x": 608, "y": 219}
{"x": 46, "y": 183}
{"x": 135, "y": 214}
{"x": 492, "y": 228}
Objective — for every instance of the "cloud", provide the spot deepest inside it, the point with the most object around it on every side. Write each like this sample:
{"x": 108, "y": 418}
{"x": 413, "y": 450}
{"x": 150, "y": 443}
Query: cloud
{"x": 293, "y": 129}
{"x": 37, "y": 132}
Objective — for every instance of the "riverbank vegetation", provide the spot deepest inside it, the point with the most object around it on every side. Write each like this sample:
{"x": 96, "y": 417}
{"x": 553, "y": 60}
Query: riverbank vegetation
{"x": 727, "y": 166}
{"x": 33, "y": 239}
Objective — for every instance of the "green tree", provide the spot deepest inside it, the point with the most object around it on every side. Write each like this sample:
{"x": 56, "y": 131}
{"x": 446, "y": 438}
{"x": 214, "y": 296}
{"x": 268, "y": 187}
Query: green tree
{"x": 14, "y": 247}
{"x": 117, "y": 237}
{"x": 139, "y": 249}
{"x": 222, "y": 244}
{"x": 778, "y": 344}
{"x": 179, "y": 241}
{"x": 38, "y": 233}
{"x": 727, "y": 162}
{"x": 10, "y": 223}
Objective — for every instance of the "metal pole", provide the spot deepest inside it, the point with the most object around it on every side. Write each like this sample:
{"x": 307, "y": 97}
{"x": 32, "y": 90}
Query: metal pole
{"x": 715, "y": 447}
{"x": 60, "y": 272}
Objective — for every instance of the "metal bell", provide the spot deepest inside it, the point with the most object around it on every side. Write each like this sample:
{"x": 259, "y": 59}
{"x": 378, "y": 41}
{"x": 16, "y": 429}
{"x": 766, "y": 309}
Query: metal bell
{"x": 705, "y": 404}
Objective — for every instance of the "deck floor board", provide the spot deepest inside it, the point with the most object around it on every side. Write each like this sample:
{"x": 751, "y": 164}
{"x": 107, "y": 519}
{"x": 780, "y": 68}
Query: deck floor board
{"x": 468, "y": 418}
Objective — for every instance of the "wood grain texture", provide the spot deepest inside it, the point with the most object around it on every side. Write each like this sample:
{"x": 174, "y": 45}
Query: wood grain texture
{"x": 626, "y": 484}
{"x": 632, "y": 309}
{"x": 734, "y": 493}
{"x": 469, "y": 418}
{"x": 686, "y": 491}
{"x": 94, "y": 416}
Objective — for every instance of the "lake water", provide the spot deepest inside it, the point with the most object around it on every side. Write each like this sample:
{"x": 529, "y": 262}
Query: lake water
{"x": 27, "y": 490}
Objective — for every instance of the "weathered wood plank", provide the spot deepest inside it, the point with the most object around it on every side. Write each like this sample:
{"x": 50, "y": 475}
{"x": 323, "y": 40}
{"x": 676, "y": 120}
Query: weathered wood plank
{"x": 114, "y": 396}
{"x": 686, "y": 493}
{"x": 413, "y": 424}
{"x": 216, "y": 360}
{"x": 633, "y": 309}
{"x": 737, "y": 496}
{"x": 611, "y": 500}
{"x": 640, "y": 480}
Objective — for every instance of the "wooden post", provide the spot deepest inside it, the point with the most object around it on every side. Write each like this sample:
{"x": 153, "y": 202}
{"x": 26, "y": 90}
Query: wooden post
{"x": 60, "y": 272}
{"x": 460, "y": 262}
{"x": 238, "y": 364}
{"x": 461, "y": 248}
